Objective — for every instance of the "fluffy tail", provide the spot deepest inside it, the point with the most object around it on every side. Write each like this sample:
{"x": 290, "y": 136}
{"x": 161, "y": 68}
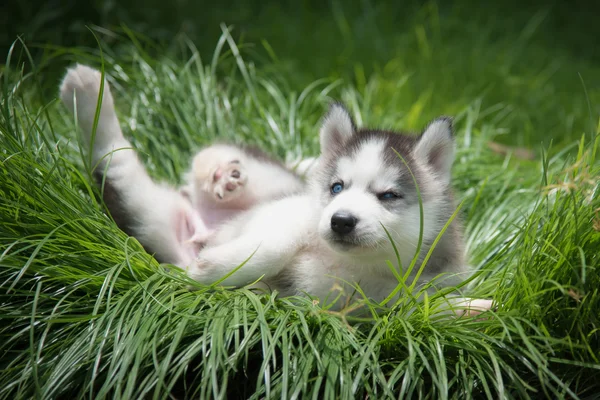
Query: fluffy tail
{"x": 157, "y": 215}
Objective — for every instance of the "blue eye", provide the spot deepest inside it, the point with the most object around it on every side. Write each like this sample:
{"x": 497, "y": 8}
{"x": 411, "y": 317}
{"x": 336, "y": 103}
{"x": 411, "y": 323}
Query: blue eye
{"x": 337, "y": 187}
{"x": 387, "y": 196}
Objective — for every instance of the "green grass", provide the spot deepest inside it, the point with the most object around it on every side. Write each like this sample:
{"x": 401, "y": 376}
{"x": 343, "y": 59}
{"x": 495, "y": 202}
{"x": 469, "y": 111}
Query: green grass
{"x": 87, "y": 313}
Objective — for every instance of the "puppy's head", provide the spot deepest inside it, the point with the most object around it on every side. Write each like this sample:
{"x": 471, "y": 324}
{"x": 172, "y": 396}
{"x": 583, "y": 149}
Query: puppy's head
{"x": 371, "y": 179}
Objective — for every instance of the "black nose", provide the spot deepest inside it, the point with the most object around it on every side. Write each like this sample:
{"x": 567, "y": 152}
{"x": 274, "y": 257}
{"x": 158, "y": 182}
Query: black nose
{"x": 343, "y": 223}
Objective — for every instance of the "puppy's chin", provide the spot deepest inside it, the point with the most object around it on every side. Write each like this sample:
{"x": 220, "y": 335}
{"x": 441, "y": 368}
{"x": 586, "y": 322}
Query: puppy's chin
{"x": 349, "y": 245}
{"x": 341, "y": 246}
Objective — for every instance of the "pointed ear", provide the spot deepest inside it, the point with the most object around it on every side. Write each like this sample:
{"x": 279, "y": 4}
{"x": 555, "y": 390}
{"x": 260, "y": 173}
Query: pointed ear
{"x": 337, "y": 128}
{"x": 436, "y": 147}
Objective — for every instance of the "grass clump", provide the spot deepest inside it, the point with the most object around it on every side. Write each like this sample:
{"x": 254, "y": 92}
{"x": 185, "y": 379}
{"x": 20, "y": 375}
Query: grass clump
{"x": 87, "y": 313}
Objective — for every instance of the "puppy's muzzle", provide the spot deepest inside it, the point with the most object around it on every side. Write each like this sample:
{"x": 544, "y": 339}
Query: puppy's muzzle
{"x": 343, "y": 222}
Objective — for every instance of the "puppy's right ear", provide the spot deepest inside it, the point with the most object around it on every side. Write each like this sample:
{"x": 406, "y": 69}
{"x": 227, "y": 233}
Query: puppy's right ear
{"x": 337, "y": 128}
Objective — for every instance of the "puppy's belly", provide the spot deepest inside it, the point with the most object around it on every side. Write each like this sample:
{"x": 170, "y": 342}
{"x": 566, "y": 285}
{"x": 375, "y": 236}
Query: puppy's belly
{"x": 213, "y": 217}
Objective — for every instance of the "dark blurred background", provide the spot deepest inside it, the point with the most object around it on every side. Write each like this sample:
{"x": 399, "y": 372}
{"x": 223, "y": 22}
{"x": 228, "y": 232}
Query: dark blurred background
{"x": 538, "y": 62}
{"x": 326, "y": 37}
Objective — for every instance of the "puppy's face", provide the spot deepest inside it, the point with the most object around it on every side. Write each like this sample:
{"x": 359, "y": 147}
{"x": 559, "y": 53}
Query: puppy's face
{"x": 366, "y": 182}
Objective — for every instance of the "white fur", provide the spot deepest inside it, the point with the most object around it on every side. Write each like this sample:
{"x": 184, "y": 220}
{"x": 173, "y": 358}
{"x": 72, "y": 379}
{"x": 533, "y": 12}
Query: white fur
{"x": 281, "y": 238}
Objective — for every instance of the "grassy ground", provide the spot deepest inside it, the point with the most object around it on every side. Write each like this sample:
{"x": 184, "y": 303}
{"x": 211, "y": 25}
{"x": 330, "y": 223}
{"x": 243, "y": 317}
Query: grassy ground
{"x": 87, "y": 313}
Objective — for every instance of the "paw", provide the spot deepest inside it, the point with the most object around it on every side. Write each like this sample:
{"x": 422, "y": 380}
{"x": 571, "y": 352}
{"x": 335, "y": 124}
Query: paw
{"x": 199, "y": 270}
{"x": 228, "y": 181}
{"x": 81, "y": 87}
{"x": 474, "y": 307}
{"x": 84, "y": 82}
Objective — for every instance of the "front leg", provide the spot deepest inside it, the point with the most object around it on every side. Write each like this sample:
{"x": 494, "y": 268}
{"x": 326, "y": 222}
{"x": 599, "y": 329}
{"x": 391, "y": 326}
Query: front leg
{"x": 265, "y": 240}
{"x": 264, "y": 259}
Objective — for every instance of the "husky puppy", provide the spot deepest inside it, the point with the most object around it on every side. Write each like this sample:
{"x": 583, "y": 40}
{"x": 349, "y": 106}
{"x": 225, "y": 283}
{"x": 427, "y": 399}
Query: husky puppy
{"x": 223, "y": 180}
{"x": 241, "y": 207}
{"x": 333, "y": 236}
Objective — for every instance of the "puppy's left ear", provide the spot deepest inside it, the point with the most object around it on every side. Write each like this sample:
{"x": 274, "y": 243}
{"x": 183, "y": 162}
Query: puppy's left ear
{"x": 436, "y": 147}
{"x": 337, "y": 128}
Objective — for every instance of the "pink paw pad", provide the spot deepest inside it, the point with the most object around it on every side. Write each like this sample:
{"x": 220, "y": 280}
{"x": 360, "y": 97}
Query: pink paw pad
{"x": 228, "y": 180}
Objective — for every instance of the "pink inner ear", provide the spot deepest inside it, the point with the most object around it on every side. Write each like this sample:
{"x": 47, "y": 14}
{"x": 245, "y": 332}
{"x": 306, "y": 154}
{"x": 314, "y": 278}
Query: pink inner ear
{"x": 436, "y": 157}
